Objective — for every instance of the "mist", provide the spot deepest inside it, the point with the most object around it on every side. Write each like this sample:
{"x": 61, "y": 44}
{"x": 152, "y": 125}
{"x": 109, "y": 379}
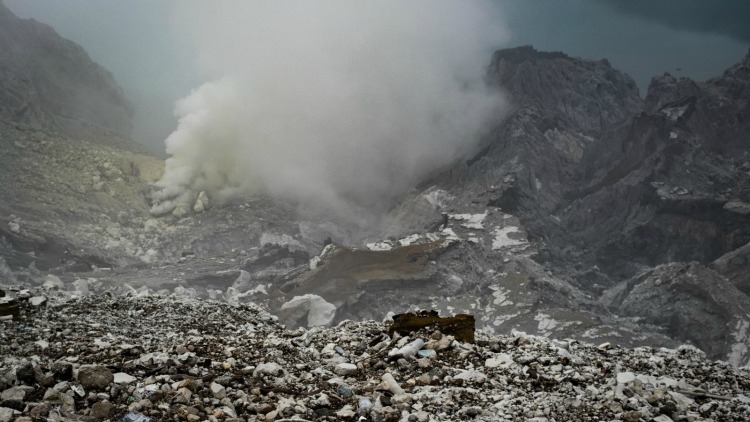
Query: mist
{"x": 340, "y": 106}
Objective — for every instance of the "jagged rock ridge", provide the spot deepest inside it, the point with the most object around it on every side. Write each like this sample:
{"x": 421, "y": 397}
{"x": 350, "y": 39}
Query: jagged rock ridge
{"x": 608, "y": 186}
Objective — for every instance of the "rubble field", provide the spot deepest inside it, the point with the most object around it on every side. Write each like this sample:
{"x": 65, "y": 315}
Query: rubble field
{"x": 141, "y": 358}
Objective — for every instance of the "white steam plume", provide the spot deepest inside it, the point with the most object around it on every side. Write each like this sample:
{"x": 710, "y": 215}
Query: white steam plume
{"x": 337, "y": 104}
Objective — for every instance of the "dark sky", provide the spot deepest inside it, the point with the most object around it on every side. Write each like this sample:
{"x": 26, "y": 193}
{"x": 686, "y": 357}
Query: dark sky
{"x": 154, "y": 62}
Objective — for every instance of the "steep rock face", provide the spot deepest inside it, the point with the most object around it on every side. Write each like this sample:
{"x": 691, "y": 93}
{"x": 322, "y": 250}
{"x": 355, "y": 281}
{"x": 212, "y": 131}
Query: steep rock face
{"x": 690, "y": 302}
{"x": 563, "y": 107}
{"x": 51, "y": 83}
{"x": 670, "y": 184}
{"x": 606, "y": 186}
{"x": 583, "y": 95}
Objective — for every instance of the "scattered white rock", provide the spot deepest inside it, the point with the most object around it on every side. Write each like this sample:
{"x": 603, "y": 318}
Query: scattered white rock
{"x": 319, "y": 312}
{"x": 345, "y": 369}
{"x": 180, "y": 210}
{"x": 53, "y": 282}
{"x": 14, "y": 227}
{"x": 201, "y": 204}
{"x": 218, "y": 390}
{"x": 625, "y": 377}
{"x": 270, "y": 368}
{"x": 501, "y": 360}
{"x": 502, "y": 237}
{"x": 123, "y": 378}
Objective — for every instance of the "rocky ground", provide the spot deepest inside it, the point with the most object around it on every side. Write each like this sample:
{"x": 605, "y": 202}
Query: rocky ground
{"x": 175, "y": 358}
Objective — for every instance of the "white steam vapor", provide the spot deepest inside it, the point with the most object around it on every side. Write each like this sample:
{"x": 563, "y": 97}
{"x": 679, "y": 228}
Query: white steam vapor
{"x": 338, "y": 104}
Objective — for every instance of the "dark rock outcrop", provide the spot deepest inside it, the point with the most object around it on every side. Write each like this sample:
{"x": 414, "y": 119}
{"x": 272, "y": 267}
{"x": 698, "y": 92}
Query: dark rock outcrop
{"x": 608, "y": 186}
{"x": 583, "y": 95}
{"x": 690, "y": 302}
{"x": 606, "y": 180}
{"x": 670, "y": 184}
{"x": 50, "y": 83}
{"x": 734, "y": 267}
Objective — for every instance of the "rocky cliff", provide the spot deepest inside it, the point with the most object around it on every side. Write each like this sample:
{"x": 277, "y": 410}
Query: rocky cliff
{"x": 50, "y": 83}
{"x": 606, "y": 187}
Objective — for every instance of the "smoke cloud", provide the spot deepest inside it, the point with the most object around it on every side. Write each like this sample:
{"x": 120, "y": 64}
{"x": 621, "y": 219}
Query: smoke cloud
{"x": 338, "y": 105}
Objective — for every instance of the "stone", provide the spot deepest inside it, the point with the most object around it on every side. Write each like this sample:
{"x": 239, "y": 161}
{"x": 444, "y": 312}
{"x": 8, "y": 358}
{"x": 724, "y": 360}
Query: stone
{"x": 218, "y": 390}
{"x": 270, "y": 368}
{"x": 319, "y": 312}
{"x": 57, "y": 398}
{"x": 37, "y": 300}
{"x": 7, "y": 414}
{"x": 14, "y": 393}
{"x": 189, "y": 383}
{"x": 53, "y": 282}
{"x": 25, "y": 374}
{"x": 123, "y": 378}
{"x": 102, "y": 409}
{"x": 180, "y": 210}
{"x": 500, "y": 360}
{"x": 80, "y": 287}
{"x": 471, "y": 375}
{"x": 39, "y": 411}
{"x": 183, "y": 396}
{"x": 62, "y": 371}
{"x": 346, "y": 412}
{"x": 389, "y": 383}
{"x": 14, "y": 227}
{"x": 40, "y": 376}
{"x": 424, "y": 379}
{"x": 201, "y": 204}
{"x": 228, "y": 411}
{"x": 345, "y": 369}
{"x": 625, "y": 377}
{"x": 94, "y": 377}
{"x": 683, "y": 402}
{"x": 424, "y": 363}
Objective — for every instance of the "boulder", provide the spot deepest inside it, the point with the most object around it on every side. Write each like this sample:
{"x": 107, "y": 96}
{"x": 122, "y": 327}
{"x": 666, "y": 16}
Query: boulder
{"x": 95, "y": 377}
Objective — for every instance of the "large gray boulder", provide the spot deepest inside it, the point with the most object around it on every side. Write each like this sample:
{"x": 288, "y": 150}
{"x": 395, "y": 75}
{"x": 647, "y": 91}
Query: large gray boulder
{"x": 95, "y": 377}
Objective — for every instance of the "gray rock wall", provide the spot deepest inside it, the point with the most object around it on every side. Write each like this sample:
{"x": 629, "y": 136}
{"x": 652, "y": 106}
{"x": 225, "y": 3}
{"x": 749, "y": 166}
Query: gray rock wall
{"x": 50, "y": 83}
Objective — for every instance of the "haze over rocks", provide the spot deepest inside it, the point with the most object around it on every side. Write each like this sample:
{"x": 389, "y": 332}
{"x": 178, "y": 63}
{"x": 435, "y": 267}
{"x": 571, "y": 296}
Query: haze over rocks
{"x": 50, "y": 83}
{"x": 584, "y": 214}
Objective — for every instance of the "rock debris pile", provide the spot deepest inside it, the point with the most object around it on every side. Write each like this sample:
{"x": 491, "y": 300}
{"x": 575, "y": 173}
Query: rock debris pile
{"x": 174, "y": 358}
